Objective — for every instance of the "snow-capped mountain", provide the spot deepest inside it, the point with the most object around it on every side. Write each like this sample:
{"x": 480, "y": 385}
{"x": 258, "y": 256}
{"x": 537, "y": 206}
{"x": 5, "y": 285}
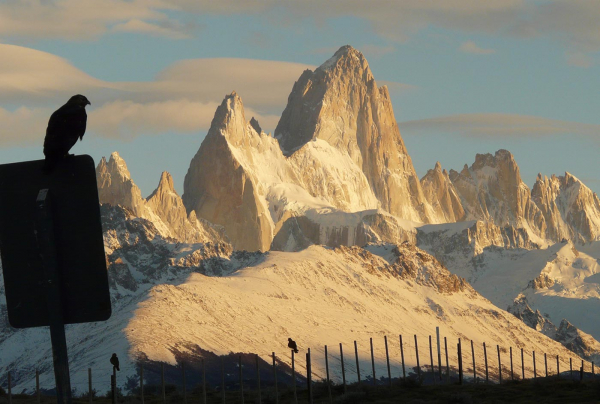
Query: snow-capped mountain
{"x": 339, "y": 231}
{"x": 176, "y": 301}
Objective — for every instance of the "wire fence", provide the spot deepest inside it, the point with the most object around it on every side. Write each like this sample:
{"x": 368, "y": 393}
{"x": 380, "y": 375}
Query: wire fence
{"x": 324, "y": 371}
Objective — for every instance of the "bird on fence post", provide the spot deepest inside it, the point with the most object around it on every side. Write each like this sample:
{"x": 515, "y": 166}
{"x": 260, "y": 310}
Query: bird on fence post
{"x": 114, "y": 360}
{"x": 66, "y": 125}
{"x": 292, "y": 345}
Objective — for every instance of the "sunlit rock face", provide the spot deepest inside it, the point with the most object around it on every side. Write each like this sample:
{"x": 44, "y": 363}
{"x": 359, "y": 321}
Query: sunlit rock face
{"x": 492, "y": 190}
{"x": 116, "y": 187}
{"x": 570, "y": 209}
{"x": 442, "y": 195}
{"x": 219, "y": 187}
{"x": 341, "y": 104}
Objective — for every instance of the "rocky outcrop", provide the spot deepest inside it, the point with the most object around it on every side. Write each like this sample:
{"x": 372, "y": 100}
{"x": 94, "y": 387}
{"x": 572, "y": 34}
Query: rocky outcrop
{"x": 116, "y": 187}
{"x": 442, "y": 195}
{"x": 295, "y": 233}
{"x": 168, "y": 206}
{"x": 492, "y": 190}
{"x": 570, "y": 209}
{"x": 566, "y": 333}
{"x": 220, "y": 188}
{"x": 341, "y": 104}
{"x": 163, "y": 208}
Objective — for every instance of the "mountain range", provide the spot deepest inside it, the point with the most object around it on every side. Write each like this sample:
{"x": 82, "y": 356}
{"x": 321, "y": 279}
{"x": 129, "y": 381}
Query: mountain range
{"x": 329, "y": 212}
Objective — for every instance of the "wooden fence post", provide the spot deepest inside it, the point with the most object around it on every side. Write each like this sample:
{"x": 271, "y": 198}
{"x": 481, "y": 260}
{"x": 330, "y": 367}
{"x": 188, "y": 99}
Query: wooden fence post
{"x": 357, "y": 366}
{"x": 37, "y": 385}
{"x": 141, "y": 383}
{"x": 512, "y": 374}
{"x": 499, "y": 365}
{"x": 183, "y": 382}
{"x": 447, "y": 363}
{"x": 275, "y": 375}
{"x": 474, "y": 368}
{"x": 258, "y": 376}
{"x": 534, "y": 366}
{"x": 162, "y": 382}
{"x": 431, "y": 359}
{"x": 439, "y": 352}
{"x": 522, "y": 364}
{"x": 310, "y": 389}
{"x": 293, "y": 378}
{"x": 487, "y": 375}
{"x": 343, "y": 370}
{"x": 581, "y": 377}
{"x": 571, "y": 367}
{"x": 241, "y": 381}
{"x": 204, "y": 384}
{"x": 460, "y": 367}
{"x": 402, "y": 356}
{"x": 387, "y": 358}
{"x": 546, "y": 363}
{"x": 418, "y": 365}
{"x": 593, "y": 374}
{"x": 373, "y": 362}
{"x": 327, "y": 373}
{"x": 557, "y": 367}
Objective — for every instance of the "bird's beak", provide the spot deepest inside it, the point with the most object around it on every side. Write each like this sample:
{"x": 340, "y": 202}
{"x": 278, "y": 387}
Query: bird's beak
{"x": 88, "y": 103}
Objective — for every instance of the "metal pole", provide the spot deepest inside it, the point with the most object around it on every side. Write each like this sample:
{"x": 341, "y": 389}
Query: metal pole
{"x": 258, "y": 377}
{"x": 402, "y": 356}
{"x": 114, "y": 385}
{"x": 499, "y": 365}
{"x": 357, "y": 367}
{"x": 571, "y": 367}
{"x": 387, "y": 358}
{"x": 512, "y": 374}
{"x": 418, "y": 365}
{"x": 447, "y": 363}
{"x": 474, "y": 368}
{"x": 460, "y": 368}
{"x": 309, "y": 369}
{"x": 431, "y": 358}
{"x": 343, "y": 371}
{"x": 534, "y": 369}
{"x": 327, "y": 371}
{"x": 373, "y": 363}
{"x": 546, "y": 363}
{"x": 522, "y": 364}
{"x": 487, "y": 375}
{"x": 44, "y": 231}
{"x": 37, "y": 385}
{"x": 439, "y": 351}
{"x": 557, "y": 367}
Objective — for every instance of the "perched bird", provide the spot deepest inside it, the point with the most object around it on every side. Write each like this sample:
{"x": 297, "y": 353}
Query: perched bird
{"x": 65, "y": 126}
{"x": 292, "y": 345}
{"x": 115, "y": 361}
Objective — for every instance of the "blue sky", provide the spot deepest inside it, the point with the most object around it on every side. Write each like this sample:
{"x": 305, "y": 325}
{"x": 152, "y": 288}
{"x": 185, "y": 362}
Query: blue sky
{"x": 465, "y": 76}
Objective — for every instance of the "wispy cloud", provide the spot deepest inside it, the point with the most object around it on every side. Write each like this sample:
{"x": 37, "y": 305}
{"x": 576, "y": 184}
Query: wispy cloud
{"x": 471, "y": 47}
{"x": 498, "y": 125}
{"x": 579, "y": 59}
{"x": 182, "y": 98}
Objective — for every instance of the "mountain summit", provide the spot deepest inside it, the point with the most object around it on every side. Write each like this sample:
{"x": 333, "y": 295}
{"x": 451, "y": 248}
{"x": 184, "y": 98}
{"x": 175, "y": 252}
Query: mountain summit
{"x": 341, "y": 104}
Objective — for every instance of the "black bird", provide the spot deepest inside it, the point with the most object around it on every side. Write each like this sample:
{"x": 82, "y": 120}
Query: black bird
{"x": 292, "y": 345}
{"x": 65, "y": 126}
{"x": 115, "y": 361}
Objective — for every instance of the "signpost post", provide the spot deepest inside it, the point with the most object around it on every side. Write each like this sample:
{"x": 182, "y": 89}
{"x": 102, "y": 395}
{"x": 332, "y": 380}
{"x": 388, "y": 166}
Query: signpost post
{"x": 52, "y": 252}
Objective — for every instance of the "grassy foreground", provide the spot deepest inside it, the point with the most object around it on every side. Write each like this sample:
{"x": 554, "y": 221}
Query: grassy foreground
{"x": 537, "y": 392}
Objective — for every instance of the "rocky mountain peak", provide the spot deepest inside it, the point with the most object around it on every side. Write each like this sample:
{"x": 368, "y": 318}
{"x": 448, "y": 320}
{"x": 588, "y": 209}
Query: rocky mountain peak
{"x": 341, "y": 104}
{"x": 115, "y": 185}
{"x": 255, "y": 125}
{"x": 165, "y": 185}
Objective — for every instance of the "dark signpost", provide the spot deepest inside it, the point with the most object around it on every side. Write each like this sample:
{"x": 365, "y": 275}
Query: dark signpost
{"x": 52, "y": 252}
